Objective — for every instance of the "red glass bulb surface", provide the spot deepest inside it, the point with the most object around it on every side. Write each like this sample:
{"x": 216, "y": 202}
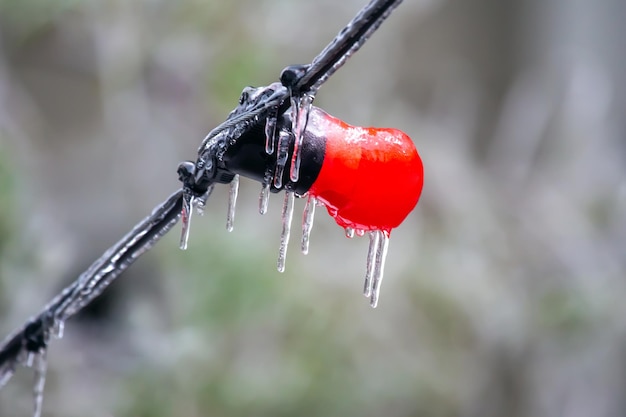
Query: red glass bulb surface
{"x": 371, "y": 178}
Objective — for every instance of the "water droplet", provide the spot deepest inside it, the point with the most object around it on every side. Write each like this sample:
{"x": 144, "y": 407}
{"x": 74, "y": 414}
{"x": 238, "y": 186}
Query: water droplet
{"x": 270, "y": 133}
{"x": 379, "y": 265}
{"x": 287, "y": 216}
{"x": 360, "y": 232}
{"x": 232, "y": 203}
{"x": 281, "y": 157}
{"x": 185, "y": 220}
{"x": 58, "y": 328}
{"x": 264, "y": 198}
{"x": 349, "y": 232}
{"x": 300, "y": 108}
{"x": 307, "y": 222}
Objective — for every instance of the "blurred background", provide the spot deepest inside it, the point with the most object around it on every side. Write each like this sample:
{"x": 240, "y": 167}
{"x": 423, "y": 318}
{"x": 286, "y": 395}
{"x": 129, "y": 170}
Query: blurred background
{"x": 503, "y": 293}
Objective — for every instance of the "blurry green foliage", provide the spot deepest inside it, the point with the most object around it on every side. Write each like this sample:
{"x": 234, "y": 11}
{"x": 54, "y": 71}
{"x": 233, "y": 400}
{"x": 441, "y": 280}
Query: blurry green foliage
{"x": 236, "y": 69}
{"x": 444, "y": 320}
{"x": 248, "y": 318}
{"x": 565, "y": 311}
{"x": 226, "y": 284}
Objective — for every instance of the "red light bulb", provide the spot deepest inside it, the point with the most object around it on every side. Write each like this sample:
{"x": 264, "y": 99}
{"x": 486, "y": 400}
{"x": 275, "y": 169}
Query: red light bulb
{"x": 368, "y": 178}
{"x": 371, "y": 178}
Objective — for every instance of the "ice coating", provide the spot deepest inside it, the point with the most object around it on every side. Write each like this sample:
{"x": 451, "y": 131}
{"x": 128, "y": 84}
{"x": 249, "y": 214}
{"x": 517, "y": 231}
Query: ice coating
{"x": 307, "y": 223}
{"x": 270, "y": 133}
{"x": 264, "y": 198}
{"x": 185, "y": 220}
{"x": 300, "y": 109}
{"x": 287, "y": 216}
{"x": 232, "y": 203}
{"x": 282, "y": 154}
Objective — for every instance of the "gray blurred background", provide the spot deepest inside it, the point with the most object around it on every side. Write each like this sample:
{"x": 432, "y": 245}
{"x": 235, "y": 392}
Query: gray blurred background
{"x": 504, "y": 289}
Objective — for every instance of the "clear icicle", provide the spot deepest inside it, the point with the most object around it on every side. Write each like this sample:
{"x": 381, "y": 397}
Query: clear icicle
{"x": 300, "y": 108}
{"x": 40, "y": 381}
{"x": 282, "y": 154}
{"x": 186, "y": 220}
{"x": 58, "y": 328}
{"x": 30, "y": 359}
{"x": 5, "y": 376}
{"x": 287, "y": 216}
{"x": 264, "y": 198}
{"x": 270, "y": 133}
{"x": 349, "y": 232}
{"x": 307, "y": 222}
{"x": 232, "y": 203}
{"x": 371, "y": 261}
{"x": 379, "y": 265}
{"x": 191, "y": 202}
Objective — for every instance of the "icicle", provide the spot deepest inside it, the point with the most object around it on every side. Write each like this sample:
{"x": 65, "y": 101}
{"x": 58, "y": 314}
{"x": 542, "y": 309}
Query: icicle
{"x": 186, "y": 220}
{"x": 349, "y": 232}
{"x": 281, "y": 157}
{"x": 270, "y": 133}
{"x": 57, "y": 328}
{"x": 40, "y": 381}
{"x": 232, "y": 203}
{"x": 379, "y": 266}
{"x": 307, "y": 222}
{"x": 371, "y": 260}
{"x": 360, "y": 232}
{"x": 5, "y": 375}
{"x": 287, "y": 216}
{"x": 30, "y": 359}
{"x": 191, "y": 202}
{"x": 264, "y": 198}
{"x": 300, "y": 108}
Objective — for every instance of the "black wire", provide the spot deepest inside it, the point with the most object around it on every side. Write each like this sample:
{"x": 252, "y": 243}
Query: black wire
{"x": 348, "y": 40}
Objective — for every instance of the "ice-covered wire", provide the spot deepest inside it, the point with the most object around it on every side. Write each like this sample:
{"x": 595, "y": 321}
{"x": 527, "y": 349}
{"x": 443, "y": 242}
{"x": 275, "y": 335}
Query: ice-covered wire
{"x": 261, "y": 107}
{"x": 346, "y": 43}
{"x": 33, "y": 337}
{"x": 349, "y": 40}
